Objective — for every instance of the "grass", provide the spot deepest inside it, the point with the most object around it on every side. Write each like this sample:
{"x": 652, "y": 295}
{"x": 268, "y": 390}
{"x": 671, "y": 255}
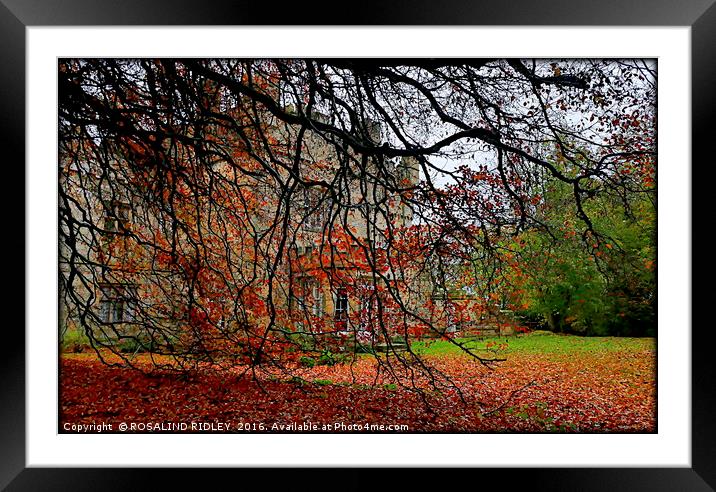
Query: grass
{"x": 539, "y": 342}
{"x": 74, "y": 341}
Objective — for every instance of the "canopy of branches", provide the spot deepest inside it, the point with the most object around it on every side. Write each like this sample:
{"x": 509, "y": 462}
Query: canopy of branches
{"x": 225, "y": 211}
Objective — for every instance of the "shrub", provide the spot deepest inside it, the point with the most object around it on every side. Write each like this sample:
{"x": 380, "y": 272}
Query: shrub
{"x": 73, "y": 341}
{"x": 329, "y": 358}
{"x": 307, "y": 361}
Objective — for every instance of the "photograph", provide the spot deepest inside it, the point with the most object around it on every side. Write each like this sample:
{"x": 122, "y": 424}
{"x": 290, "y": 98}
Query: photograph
{"x": 357, "y": 245}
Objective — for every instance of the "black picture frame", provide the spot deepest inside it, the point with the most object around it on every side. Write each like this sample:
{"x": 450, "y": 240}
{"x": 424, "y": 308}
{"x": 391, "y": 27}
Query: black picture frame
{"x": 700, "y": 15}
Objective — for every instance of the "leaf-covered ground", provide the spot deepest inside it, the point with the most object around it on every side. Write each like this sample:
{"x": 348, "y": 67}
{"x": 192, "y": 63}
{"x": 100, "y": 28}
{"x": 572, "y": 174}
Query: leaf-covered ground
{"x": 547, "y": 384}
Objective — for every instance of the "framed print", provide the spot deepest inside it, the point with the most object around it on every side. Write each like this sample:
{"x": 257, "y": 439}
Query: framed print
{"x": 57, "y": 433}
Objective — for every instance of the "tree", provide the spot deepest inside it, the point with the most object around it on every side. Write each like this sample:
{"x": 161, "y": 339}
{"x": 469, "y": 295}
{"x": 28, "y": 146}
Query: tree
{"x": 597, "y": 284}
{"x": 394, "y": 173}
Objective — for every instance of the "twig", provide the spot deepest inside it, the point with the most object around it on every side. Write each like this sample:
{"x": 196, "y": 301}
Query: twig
{"x": 500, "y": 407}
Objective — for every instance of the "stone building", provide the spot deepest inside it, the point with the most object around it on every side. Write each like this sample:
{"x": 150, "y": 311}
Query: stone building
{"x": 133, "y": 235}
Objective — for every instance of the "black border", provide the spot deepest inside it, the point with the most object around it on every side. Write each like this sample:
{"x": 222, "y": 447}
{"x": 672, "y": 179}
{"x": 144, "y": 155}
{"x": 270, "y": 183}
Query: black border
{"x": 700, "y": 15}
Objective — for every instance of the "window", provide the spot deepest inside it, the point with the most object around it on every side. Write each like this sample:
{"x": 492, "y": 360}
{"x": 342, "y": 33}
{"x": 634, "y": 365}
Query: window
{"x": 380, "y": 241}
{"x": 341, "y": 304}
{"x": 116, "y": 304}
{"x": 315, "y": 209}
{"x": 368, "y": 307}
{"x": 452, "y": 324}
{"x": 309, "y": 299}
{"x": 317, "y": 299}
{"x": 117, "y": 216}
{"x": 366, "y": 209}
{"x": 164, "y": 222}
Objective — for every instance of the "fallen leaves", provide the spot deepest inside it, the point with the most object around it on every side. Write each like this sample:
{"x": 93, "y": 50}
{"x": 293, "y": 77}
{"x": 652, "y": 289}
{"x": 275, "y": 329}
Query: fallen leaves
{"x": 588, "y": 391}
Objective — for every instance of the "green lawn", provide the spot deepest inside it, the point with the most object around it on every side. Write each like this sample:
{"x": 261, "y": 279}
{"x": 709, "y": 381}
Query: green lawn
{"x": 540, "y": 342}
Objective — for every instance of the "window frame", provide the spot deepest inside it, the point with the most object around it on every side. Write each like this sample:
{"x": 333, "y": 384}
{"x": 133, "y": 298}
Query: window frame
{"x": 114, "y": 295}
